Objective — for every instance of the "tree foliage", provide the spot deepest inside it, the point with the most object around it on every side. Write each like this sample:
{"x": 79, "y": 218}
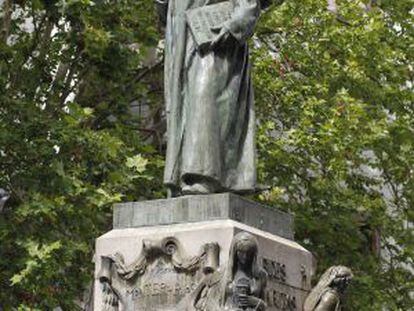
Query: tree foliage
{"x": 334, "y": 96}
{"x": 69, "y": 145}
{"x": 335, "y": 102}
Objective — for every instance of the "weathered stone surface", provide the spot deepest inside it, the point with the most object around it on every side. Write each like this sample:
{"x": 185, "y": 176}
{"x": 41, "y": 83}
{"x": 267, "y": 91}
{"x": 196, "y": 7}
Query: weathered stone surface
{"x": 189, "y": 209}
{"x": 161, "y": 287}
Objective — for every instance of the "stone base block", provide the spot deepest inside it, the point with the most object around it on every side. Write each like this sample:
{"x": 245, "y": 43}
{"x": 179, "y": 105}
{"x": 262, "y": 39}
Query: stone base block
{"x": 196, "y": 208}
{"x": 182, "y": 267}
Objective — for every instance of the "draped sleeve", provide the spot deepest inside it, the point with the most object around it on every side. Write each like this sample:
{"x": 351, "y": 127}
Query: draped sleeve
{"x": 244, "y": 18}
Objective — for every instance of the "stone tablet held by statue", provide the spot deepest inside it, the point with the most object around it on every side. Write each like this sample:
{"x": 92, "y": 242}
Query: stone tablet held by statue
{"x": 202, "y": 20}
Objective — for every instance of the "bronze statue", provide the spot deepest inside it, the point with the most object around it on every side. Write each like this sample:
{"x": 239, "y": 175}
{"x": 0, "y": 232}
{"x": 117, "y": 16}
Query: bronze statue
{"x": 328, "y": 294}
{"x": 209, "y": 95}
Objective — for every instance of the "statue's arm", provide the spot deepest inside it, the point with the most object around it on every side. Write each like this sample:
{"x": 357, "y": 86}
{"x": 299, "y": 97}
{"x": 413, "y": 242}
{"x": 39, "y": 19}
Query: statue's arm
{"x": 162, "y": 10}
{"x": 328, "y": 302}
{"x": 244, "y": 18}
{"x": 256, "y": 303}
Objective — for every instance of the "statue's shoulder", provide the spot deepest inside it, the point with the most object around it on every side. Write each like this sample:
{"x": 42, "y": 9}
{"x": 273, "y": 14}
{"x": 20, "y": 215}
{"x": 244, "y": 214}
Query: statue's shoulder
{"x": 329, "y": 299}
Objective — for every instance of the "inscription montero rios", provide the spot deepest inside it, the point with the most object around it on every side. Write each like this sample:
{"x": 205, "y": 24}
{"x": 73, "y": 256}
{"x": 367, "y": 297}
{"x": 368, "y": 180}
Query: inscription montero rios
{"x": 275, "y": 270}
{"x": 160, "y": 288}
{"x": 278, "y": 294}
{"x": 178, "y": 290}
{"x": 280, "y": 300}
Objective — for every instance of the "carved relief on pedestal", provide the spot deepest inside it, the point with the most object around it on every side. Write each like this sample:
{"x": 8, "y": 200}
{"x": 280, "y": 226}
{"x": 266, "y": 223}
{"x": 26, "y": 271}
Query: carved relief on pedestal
{"x": 164, "y": 278}
{"x": 240, "y": 287}
{"x": 245, "y": 278}
{"x": 158, "y": 279}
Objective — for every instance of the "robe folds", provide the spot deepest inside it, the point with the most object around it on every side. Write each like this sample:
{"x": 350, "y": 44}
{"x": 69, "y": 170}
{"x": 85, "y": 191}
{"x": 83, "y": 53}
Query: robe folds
{"x": 209, "y": 100}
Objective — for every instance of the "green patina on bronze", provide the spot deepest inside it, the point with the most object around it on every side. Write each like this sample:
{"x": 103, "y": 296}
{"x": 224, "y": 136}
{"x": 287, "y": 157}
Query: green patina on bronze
{"x": 209, "y": 100}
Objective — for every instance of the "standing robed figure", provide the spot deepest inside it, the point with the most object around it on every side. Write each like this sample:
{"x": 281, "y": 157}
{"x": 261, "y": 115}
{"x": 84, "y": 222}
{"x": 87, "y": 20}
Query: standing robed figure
{"x": 209, "y": 101}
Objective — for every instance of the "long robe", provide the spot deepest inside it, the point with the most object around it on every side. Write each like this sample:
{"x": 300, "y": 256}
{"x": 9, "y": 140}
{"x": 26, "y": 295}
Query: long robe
{"x": 209, "y": 100}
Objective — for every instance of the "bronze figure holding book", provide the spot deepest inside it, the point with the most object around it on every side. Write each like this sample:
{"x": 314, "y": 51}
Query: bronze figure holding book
{"x": 209, "y": 95}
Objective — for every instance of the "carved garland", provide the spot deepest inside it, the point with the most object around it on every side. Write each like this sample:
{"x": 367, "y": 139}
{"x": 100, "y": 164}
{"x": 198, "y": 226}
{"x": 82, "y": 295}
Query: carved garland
{"x": 169, "y": 247}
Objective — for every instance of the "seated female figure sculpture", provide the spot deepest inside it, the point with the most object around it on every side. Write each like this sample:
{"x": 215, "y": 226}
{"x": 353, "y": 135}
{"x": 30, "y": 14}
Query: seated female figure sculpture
{"x": 240, "y": 287}
{"x": 329, "y": 292}
{"x": 244, "y": 280}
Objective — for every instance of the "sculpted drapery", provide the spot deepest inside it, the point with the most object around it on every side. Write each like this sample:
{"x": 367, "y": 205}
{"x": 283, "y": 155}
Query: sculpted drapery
{"x": 209, "y": 102}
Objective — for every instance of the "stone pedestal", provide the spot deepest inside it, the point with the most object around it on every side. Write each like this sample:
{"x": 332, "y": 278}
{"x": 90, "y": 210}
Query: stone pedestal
{"x": 160, "y": 254}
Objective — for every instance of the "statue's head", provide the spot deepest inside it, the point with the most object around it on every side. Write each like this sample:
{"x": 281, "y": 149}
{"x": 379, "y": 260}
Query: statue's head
{"x": 342, "y": 276}
{"x": 336, "y": 277}
{"x": 244, "y": 249}
{"x": 242, "y": 255}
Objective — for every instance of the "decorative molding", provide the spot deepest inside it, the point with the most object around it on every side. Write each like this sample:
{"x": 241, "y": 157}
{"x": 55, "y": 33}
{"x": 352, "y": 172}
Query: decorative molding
{"x": 170, "y": 250}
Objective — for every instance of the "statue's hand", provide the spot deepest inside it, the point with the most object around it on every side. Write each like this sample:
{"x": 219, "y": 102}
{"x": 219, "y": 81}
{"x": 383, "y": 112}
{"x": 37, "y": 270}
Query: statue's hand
{"x": 256, "y": 303}
{"x": 222, "y": 36}
{"x": 250, "y": 301}
{"x": 243, "y": 300}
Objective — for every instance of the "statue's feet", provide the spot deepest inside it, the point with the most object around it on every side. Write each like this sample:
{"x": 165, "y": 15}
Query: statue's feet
{"x": 198, "y": 184}
{"x": 172, "y": 193}
{"x": 197, "y": 188}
